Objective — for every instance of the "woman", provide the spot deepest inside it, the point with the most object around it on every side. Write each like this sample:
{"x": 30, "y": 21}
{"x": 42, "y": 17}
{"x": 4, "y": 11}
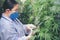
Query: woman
{"x": 10, "y": 27}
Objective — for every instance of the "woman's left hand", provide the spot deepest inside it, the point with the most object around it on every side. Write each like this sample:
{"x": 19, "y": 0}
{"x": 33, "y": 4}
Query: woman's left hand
{"x": 30, "y": 28}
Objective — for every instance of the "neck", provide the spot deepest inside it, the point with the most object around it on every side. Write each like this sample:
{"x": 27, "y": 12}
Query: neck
{"x": 6, "y": 14}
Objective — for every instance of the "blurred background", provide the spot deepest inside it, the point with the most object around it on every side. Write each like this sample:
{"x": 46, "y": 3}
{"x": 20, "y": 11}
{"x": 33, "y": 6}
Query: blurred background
{"x": 45, "y": 14}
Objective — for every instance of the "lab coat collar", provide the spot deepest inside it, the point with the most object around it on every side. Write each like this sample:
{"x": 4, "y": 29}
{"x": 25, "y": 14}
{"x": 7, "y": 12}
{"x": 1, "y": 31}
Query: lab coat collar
{"x": 6, "y": 17}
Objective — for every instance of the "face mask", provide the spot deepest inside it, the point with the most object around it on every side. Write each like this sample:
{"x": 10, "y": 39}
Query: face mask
{"x": 14, "y": 15}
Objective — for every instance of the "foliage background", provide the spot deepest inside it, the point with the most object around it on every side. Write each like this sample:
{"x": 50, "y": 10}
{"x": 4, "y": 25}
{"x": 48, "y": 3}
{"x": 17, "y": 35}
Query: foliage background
{"x": 45, "y": 14}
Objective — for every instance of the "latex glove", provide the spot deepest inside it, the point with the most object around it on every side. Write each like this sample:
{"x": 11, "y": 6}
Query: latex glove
{"x": 31, "y": 26}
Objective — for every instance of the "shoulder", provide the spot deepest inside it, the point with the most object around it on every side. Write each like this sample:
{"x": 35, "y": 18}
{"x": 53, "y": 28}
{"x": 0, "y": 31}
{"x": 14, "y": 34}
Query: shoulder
{"x": 4, "y": 22}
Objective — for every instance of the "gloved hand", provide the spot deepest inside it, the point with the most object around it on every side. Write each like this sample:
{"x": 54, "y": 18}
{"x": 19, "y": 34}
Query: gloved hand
{"x": 31, "y": 26}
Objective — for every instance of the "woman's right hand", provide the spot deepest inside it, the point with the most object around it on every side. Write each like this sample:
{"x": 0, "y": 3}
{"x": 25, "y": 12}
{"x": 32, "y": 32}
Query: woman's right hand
{"x": 30, "y": 35}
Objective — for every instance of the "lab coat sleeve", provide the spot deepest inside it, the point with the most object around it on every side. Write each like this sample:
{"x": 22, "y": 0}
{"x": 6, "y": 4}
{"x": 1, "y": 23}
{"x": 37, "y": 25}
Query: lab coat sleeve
{"x": 26, "y": 31}
{"x": 9, "y": 33}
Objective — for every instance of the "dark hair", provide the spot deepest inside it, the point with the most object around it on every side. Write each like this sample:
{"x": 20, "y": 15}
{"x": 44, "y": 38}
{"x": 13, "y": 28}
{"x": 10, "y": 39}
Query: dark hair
{"x": 8, "y": 4}
{"x": 1, "y": 12}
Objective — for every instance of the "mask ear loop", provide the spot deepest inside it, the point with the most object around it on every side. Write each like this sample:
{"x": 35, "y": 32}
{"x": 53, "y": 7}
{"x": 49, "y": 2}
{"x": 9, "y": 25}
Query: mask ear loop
{"x": 12, "y": 12}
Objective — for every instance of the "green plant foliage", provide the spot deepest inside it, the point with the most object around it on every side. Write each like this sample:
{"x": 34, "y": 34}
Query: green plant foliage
{"x": 42, "y": 13}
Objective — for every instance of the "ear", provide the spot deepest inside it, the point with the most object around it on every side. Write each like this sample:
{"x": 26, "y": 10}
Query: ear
{"x": 7, "y": 10}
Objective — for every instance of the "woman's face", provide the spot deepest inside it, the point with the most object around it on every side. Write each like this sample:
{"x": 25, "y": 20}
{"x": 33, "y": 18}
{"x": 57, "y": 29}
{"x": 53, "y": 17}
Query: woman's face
{"x": 15, "y": 8}
{"x": 14, "y": 12}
